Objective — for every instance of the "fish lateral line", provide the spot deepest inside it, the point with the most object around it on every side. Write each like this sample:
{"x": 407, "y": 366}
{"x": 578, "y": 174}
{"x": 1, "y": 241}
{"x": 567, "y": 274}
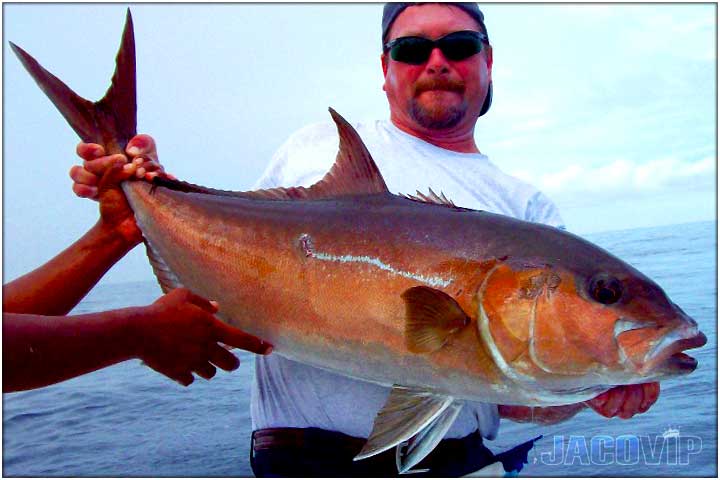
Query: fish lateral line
{"x": 308, "y": 248}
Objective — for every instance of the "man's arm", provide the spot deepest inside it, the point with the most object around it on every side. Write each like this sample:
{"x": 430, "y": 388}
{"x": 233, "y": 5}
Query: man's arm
{"x": 176, "y": 336}
{"x": 623, "y": 401}
{"x": 539, "y": 415}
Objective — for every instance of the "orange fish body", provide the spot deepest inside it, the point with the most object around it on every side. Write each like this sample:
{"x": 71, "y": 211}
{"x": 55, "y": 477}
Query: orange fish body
{"x": 323, "y": 280}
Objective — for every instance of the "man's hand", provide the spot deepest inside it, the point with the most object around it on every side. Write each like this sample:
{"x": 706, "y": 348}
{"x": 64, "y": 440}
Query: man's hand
{"x": 625, "y": 401}
{"x": 179, "y": 334}
{"x": 539, "y": 415}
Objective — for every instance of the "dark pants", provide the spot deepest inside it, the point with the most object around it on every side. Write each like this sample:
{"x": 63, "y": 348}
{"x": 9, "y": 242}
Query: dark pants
{"x": 312, "y": 452}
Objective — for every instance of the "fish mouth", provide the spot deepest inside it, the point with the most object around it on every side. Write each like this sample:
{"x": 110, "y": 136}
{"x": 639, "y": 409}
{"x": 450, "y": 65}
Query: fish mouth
{"x": 669, "y": 355}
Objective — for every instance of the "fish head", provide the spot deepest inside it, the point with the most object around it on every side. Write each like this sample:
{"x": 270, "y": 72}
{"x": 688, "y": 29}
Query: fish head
{"x": 581, "y": 327}
{"x": 651, "y": 332}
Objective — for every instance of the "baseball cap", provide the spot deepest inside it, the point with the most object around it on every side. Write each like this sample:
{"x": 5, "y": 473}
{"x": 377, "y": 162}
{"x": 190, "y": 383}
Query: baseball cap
{"x": 392, "y": 10}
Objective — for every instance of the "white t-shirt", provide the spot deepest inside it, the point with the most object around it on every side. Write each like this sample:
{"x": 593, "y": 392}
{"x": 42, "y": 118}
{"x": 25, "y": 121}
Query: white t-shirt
{"x": 290, "y": 394}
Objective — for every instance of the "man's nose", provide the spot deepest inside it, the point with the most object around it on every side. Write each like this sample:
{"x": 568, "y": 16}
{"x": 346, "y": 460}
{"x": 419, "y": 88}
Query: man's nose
{"x": 437, "y": 63}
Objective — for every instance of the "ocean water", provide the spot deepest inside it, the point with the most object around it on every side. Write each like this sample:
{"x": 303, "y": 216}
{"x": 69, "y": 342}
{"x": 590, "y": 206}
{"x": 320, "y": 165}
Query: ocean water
{"x": 127, "y": 420}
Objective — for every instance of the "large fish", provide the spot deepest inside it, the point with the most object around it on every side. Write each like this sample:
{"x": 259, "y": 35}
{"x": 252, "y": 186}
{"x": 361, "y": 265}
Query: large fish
{"x": 442, "y": 303}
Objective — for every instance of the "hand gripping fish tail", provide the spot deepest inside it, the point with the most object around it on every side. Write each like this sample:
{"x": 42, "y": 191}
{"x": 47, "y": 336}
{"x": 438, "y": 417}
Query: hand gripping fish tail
{"x": 445, "y": 304}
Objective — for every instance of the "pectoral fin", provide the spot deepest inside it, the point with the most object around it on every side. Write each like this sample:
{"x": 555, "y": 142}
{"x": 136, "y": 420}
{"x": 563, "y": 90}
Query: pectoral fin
{"x": 431, "y": 316}
{"x": 406, "y": 412}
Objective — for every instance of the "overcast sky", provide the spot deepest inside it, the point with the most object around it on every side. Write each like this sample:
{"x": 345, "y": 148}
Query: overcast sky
{"x": 609, "y": 109}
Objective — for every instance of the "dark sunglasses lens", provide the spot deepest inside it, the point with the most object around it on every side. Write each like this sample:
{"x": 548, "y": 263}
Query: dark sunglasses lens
{"x": 413, "y": 50}
{"x": 460, "y": 45}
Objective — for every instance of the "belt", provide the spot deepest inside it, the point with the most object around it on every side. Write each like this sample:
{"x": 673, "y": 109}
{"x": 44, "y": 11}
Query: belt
{"x": 315, "y": 452}
{"x": 305, "y": 438}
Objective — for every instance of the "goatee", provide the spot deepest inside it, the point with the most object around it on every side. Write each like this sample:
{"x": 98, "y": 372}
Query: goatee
{"x": 434, "y": 116}
{"x": 437, "y": 118}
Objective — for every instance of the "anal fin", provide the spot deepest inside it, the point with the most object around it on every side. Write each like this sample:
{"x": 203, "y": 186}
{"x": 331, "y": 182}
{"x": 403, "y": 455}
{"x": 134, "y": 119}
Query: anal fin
{"x": 410, "y": 412}
{"x": 419, "y": 446}
{"x": 165, "y": 276}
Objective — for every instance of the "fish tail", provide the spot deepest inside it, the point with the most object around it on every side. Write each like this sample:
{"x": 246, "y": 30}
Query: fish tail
{"x": 112, "y": 120}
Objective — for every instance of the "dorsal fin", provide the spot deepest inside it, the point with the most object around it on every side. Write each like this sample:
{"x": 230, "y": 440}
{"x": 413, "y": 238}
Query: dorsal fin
{"x": 431, "y": 198}
{"x": 354, "y": 173}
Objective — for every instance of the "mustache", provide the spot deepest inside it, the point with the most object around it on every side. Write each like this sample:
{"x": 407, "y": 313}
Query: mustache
{"x": 449, "y": 84}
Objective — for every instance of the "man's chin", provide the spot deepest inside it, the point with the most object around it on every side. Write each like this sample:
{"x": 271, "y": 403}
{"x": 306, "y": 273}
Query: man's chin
{"x": 437, "y": 116}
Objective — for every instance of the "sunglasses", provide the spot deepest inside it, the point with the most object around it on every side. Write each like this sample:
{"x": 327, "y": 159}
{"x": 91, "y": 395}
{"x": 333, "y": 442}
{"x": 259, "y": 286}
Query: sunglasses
{"x": 455, "y": 46}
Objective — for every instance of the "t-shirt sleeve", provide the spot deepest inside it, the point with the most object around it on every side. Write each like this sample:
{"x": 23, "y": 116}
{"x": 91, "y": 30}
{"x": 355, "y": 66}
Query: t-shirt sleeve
{"x": 541, "y": 209}
{"x": 272, "y": 176}
{"x": 304, "y": 158}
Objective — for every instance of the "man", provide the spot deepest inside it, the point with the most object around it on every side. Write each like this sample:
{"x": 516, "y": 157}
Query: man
{"x": 176, "y": 335}
{"x": 437, "y": 63}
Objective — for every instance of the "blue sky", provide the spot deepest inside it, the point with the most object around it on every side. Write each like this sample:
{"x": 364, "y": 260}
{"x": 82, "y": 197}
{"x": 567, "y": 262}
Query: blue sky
{"x": 610, "y": 109}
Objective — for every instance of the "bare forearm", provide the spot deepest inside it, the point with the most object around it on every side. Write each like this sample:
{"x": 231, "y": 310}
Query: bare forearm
{"x": 540, "y": 415}
{"x": 41, "y": 350}
{"x": 57, "y": 286}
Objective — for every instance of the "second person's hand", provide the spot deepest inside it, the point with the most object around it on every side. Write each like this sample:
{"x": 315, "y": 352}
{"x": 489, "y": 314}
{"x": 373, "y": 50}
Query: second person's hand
{"x": 179, "y": 335}
{"x": 142, "y": 160}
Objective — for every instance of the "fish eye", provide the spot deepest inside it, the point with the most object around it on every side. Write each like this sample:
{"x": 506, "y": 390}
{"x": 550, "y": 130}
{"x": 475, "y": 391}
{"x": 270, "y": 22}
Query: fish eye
{"x": 605, "y": 289}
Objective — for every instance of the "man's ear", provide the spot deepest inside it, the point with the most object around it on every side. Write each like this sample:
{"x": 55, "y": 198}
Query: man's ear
{"x": 384, "y": 62}
{"x": 489, "y": 61}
